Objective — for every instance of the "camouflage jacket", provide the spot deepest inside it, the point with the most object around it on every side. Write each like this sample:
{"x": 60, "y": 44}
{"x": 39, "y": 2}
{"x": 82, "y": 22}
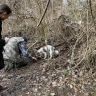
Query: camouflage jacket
{"x": 14, "y": 48}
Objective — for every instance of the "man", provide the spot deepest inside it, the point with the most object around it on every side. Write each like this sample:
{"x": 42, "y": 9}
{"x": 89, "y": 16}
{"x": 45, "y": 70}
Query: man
{"x": 5, "y": 12}
{"x": 15, "y": 52}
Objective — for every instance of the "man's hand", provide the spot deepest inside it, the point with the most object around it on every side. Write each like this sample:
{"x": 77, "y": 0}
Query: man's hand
{"x": 6, "y": 40}
{"x": 33, "y": 58}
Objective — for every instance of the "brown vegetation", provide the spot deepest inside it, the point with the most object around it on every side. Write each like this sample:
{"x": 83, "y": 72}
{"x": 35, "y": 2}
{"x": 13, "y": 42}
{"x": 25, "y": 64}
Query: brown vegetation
{"x": 73, "y": 73}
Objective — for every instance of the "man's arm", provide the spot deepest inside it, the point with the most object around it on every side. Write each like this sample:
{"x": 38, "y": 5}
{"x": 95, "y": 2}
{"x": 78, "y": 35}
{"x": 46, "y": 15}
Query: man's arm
{"x": 24, "y": 52}
{"x": 22, "y": 47}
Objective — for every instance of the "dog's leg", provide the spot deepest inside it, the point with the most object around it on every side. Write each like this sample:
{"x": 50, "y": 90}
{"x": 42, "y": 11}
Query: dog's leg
{"x": 45, "y": 55}
{"x": 51, "y": 54}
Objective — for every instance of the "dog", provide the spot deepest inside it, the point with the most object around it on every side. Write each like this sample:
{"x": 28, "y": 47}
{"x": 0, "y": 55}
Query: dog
{"x": 48, "y": 51}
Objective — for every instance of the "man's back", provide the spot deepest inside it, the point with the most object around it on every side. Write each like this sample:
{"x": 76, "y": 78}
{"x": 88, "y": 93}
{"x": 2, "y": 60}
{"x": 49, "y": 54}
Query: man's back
{"x": 11, "y": 50}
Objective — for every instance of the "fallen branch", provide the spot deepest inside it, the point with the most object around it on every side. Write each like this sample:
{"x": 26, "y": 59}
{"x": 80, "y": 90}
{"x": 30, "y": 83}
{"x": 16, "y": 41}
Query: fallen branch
{"x": 91, "y": 11}
{"x": 60, "y": 44}
{"x": 32, "y": 45}
{"x": 44, "y": 13}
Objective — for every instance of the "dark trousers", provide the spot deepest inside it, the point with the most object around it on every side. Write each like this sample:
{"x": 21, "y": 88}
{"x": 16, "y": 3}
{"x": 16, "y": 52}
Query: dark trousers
{"x": 1, "y": 61}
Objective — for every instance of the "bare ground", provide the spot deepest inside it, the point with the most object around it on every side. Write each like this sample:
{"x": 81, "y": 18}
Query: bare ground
{"x": 49, "y": 78}
{"x": 54, "y": 77}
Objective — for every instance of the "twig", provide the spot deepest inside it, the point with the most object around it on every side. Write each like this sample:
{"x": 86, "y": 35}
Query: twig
{"x": 93, "y": 19}
{"x": 44, "y": 13}
{"x": 73, "y": 50}
{"x": 32, "y": 45}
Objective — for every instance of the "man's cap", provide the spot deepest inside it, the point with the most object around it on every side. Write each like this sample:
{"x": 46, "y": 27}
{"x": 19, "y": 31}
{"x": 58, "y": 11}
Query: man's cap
{"x": 25, "y": 38}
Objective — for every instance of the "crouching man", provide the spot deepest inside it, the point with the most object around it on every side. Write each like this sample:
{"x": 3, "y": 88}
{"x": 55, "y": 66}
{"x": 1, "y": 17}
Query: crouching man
{"x": 15, "y": 53}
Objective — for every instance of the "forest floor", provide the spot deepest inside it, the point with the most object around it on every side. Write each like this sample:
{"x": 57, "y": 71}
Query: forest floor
{"x": 54, "y": 77}
{"x": 49, "y": 78}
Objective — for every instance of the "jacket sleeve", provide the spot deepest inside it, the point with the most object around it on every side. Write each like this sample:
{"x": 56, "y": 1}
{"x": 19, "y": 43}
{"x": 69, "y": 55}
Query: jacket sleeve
{"x": 23, "y": 50}
{"x": 2, "y": 42}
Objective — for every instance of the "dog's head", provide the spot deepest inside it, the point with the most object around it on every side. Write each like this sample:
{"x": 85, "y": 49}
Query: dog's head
{"x": 56, "y": 53}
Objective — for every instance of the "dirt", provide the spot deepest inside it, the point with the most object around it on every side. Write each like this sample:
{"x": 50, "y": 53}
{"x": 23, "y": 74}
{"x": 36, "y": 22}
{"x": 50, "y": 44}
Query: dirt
{"x": 49, "y": 78}
{"x": 53, "y": 77}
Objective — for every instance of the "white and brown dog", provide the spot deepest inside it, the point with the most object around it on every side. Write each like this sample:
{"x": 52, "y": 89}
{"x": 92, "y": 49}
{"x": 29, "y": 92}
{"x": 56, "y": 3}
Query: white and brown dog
{"x": 48, "y": 51}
